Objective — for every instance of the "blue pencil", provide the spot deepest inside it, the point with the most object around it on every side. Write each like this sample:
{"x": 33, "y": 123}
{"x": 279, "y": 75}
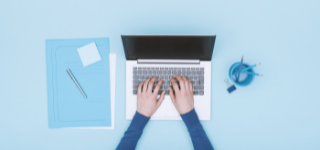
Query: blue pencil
{"x": 239, "y": 69}
{"x": 257, "y": 74}
{"x": 245, "y": 69}
{"x": 246, "y": 72}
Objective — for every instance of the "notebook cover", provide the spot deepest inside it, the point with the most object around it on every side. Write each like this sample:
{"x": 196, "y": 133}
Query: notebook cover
{"x": 66, "y": 105}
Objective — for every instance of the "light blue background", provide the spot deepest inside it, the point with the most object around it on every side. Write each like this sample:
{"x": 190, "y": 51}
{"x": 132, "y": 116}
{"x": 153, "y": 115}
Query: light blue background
{"x": 278, "y": 111}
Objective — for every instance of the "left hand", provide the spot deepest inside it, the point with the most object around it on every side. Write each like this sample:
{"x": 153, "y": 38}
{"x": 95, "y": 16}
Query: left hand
{"x": 147, "y": 102}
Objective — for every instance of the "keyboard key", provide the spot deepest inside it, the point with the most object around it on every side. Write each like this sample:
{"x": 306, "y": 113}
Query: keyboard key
{"x": 183, "y": 69}
{"x": 196, "y": 82}
{"x": 201, "y": 69}
{"x": 195, "y": 92}
{"x": 140, "y": 68}
{"x": 135, "y": 92}
{"x": 201, "y": 77}
{"x": 135, "y": 77}
{"x": 195, "y": 78}
{"x": 136, "y": 82}
{"x": 183, "y": 73}
{"x": 139, "y": 72}
{"x": 166, "y": 87}
{"x": 193, "y": 69}
{"x": 135, "y": 86}
{"x": 201, "y": 82}
{"x": 201, "y": 92}
{"x": 154, "y": 72}
{"x": 166, "y": 82}
{"x": 200, "y": 72}
{"x": 174, "y": 72}
{"x": 194, "y": 73}
{"x": 135, "y": 72}
{"x": 167, "y": 92}
{"x": 198, "y": 87}
{"x": 145, "y": 72}
{"x": 166, "y": 77}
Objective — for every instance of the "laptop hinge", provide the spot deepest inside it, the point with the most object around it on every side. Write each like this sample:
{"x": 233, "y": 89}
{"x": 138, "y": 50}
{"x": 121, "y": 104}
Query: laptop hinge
{"x": 168, "y": 61}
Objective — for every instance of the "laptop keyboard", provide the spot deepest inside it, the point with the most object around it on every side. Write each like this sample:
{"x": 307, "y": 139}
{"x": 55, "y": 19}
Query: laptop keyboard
{"x": 194, "y": 74}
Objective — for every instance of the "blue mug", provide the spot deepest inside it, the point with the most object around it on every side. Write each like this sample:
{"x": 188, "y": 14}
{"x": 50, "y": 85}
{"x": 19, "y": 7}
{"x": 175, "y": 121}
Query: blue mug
{"x": 245, "y": 79}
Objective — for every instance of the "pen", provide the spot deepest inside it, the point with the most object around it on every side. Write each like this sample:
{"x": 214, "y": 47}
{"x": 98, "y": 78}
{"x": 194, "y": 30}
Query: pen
{"x": 75, "y": 81}
{"x": 240, "y": 66}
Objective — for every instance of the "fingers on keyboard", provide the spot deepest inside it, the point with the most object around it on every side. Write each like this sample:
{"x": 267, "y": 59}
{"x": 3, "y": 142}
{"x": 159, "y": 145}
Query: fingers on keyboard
{"x": 194, "y": 74}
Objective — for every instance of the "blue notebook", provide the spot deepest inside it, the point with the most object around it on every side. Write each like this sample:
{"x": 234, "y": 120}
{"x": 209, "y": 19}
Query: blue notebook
{"x": 67, "y": 107}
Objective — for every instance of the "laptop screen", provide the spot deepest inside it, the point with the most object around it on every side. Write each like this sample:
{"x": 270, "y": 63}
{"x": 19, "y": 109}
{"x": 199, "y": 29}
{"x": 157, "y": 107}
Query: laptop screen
{"x": 168, "y": 46}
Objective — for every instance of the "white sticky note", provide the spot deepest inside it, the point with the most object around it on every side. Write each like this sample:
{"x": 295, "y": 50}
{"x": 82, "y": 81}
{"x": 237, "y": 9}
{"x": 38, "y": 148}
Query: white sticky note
{"x": 89, "y": 54}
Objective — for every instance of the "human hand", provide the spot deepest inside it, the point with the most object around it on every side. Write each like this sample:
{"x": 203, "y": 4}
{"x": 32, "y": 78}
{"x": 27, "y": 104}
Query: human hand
{"x": 147, "y": 102}
{"x": 182, "y": 98}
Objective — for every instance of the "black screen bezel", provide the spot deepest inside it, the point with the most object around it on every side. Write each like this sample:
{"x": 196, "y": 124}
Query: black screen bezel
{"x": 204, "y": 59}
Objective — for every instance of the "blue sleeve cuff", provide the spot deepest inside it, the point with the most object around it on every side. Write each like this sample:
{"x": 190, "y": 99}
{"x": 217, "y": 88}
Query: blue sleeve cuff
{"x": 190, "y": 119}
{"x": 139, "y": 121}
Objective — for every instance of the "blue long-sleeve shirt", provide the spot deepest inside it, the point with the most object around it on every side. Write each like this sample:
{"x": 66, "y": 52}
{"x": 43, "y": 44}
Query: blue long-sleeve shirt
{"x": 198, "y": 136}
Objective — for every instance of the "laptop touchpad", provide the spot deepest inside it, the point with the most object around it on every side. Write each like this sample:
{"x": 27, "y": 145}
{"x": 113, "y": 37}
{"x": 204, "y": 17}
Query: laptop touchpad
{"x": 171, "y": 110}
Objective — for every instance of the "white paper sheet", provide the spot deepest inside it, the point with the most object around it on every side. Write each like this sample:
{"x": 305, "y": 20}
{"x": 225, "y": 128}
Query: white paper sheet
{"x": 112, "y": 61}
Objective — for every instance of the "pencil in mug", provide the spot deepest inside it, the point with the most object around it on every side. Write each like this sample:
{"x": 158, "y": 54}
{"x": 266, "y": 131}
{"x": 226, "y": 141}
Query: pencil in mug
{"x": 245, "y": 69}
{"x": 240, "y": 66}
{"x": 251, "y": 73}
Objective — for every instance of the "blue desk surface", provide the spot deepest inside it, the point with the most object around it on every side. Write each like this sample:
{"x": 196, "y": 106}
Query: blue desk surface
{"x": 278, "y": 111}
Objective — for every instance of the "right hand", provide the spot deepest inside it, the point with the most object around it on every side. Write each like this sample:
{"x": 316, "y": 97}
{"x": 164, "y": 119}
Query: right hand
{"x": 182, "y": 98}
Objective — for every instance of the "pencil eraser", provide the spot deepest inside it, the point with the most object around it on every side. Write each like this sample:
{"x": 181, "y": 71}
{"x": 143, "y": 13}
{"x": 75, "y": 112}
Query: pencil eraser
{"x": 231, "y": 88}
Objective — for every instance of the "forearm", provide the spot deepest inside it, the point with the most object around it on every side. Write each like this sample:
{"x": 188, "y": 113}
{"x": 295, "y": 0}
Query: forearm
{"x": 133, "y": 134}
{"x": 198, "y": 136}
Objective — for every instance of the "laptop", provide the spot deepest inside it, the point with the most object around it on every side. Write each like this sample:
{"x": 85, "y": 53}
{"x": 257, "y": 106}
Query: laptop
{"x": 164, "y": 56}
